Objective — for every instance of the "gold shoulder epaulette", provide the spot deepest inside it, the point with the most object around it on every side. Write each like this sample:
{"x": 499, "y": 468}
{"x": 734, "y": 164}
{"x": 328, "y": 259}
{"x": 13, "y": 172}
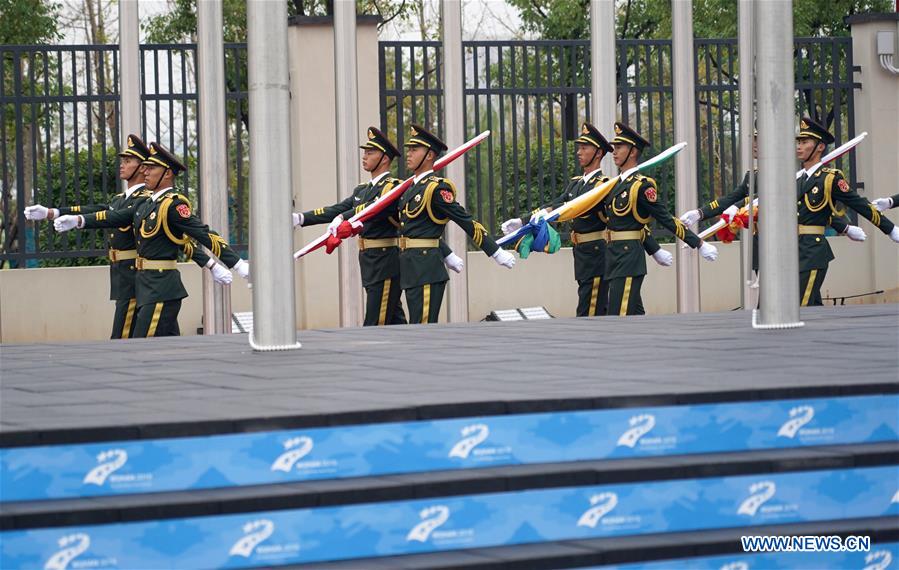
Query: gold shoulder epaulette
{"x": 576, "y": 177}
{"x": 832, "y": 171}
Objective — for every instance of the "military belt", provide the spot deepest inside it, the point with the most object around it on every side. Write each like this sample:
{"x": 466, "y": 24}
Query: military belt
{"x": 144, "y": 264}
{"x": 811, "y": 230}
{"x": 579, "y": 238}
{"x": 122, "y": 254}
{"x": 623, "y": 236}
{"x": 374, "y": 243}
{"x": 407, "y": 243}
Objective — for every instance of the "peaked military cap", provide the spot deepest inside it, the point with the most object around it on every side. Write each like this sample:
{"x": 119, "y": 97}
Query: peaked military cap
{"x": 590, "y": 135}
{"x": 626, "y": 135}
{"x": 160, "y": 156}
{"x": 813, "y": 130}
{"x": 135, "y": 148}
{"x": 421, "y": 137}
{"x": 379, "y": 141}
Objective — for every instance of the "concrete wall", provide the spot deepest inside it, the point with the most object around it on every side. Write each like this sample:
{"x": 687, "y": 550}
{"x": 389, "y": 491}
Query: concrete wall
{"x": 72, "y": 303}
{"x": 877, "y": 112}
{"x": 69, "y": 304}
{"x": 314, "y": 146}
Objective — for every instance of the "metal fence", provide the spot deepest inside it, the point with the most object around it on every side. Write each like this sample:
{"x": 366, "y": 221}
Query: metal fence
{"x": 533, "y": 95}
{"x": 59, "y": 119}
{"x": 59, "y": 138}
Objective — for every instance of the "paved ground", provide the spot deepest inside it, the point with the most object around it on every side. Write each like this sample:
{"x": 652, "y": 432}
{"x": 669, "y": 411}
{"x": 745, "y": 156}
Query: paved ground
{"x": 406, "y": 372}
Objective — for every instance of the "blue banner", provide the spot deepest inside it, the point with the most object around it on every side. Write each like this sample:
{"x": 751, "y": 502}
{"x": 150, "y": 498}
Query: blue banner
{"x": 882, "y": 556}
{"x": 139, "y": 466}
{"x": 439, "y": 524}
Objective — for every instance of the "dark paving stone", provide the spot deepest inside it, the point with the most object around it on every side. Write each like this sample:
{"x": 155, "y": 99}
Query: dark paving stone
{"x": 371, "y": 375}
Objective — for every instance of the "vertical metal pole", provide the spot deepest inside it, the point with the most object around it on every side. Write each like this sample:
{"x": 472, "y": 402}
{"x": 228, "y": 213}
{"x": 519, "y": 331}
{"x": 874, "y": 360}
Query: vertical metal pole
{"x": 347, "y": 107}
{"x": 453, "y": 93}
{"x": 271, "y": 229}
{"x": 778, "y": 239}
{"x": 602, "y": 65}
{"x": 685, "y": 162}
{"x": 747, "y": 121}
{"x": 213, "y": 157}
{"x": 129, "y": 74}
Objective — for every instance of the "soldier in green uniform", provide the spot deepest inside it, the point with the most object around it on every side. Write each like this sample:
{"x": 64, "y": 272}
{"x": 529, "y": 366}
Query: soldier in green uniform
{"x": 629, "y": 207}
{"x": 164, "y": 225}
{"x": 589, "y": 232}
{"x": 424, "y": 210}
{"x": 817, "y": 192}
{"x": 739, "y": 197}
{"x": 123, "y": 252}
{"x": 379, "y": 260}
{"x": 886, "y": 203}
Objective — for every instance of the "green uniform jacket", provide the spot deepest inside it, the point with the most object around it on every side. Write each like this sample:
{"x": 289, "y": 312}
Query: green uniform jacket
{"x": 424, "y": 210}
{"x": 378, "y": 264}
{"x": 740, "y": 195}
{"x": 164, "y": 227}
{"x": 630, "y": 206}
{"x": 121, "y": 273}
{"x": 589, "y": 257}
{"x": 816, "y": 199}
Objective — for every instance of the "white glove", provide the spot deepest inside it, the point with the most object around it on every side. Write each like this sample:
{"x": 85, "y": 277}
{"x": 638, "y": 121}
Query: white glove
{"x": 882, "y": 204}
{"x": 66, "y": 223}
{"x": 708, "y": 251}
{"x": 894, "y": 235}
{"x": 335, "y": 223}
{"x": 690, "y": 218}
{"x": 510, "y": 226}
{"x": 297, "y": 219}
{"x": 664, "y": 258}
{"x": 731, "y": 211}
{"x": 504, "y": 258}
{"x": 243, "y": 269}
{"x": 538, "y": 215}
{"x": 356, "y": 225}
{"x": 38, "y": 212}
{"x": 454, "y": 262}
{"x": 220, "y": 273}
{"x": 855, "y": 233}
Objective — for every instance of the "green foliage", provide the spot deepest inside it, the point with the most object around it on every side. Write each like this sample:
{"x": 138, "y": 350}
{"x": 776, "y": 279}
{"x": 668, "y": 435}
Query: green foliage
{"x": 77, "y": 181}
{"x": 28, "y": 22}
{"x": 569, "y": 19}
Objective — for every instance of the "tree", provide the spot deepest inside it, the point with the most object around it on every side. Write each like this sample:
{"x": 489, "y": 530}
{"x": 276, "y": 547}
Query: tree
{"x": 21, "y": 22}
{"x": 28, "y": 22}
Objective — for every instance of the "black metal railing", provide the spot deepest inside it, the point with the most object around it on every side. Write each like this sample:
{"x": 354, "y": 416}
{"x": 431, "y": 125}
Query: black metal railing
{"x": 59, "y": 110}
{"x": 533, "y": 95}
{"x": 59, "y": 138}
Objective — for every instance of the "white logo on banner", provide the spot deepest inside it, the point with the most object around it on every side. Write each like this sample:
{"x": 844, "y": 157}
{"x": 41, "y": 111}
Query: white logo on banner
{"x": 470, "y": 445}
{"x": 295, "y": 448}
{"x": 760, "y": 493}
{"x": 255, "y": 532}
{"x": 73, "y": 546}
{"x": 738, "y": 565}
{"x": 472, "y": 436}
{"x": 895, "y": 498}
{"x": 432, "y": 518}
{"x": 878, "y": 560}
{"x": 110, "y": 461}
{"x": 799, "y": 416}
{"x": 640, "y": 426}
{"x": 602, "y": 504}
